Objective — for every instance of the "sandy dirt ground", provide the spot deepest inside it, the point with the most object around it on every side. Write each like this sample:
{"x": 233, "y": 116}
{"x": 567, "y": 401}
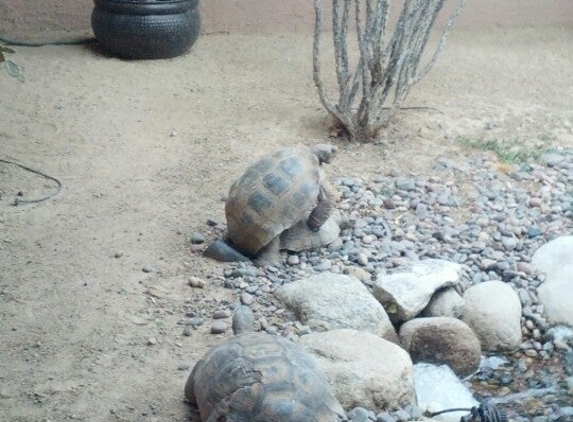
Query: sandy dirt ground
{"x": 147, "y": 150}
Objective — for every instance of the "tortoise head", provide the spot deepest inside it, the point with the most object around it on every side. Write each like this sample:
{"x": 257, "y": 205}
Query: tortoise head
{"x": 324, "y": 152}
{"x": 243, "y": 320}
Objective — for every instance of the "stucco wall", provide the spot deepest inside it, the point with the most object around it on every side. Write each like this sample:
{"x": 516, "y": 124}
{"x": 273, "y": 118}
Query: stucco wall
{"x": 31, "y": 17}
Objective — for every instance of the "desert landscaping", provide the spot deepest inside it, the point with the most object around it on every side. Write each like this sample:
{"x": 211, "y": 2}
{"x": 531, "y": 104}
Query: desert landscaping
{"x": 99, "y": 283}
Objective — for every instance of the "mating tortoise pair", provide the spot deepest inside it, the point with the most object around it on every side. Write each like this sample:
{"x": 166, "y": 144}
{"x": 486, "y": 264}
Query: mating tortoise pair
{"x": 281, "y": 202}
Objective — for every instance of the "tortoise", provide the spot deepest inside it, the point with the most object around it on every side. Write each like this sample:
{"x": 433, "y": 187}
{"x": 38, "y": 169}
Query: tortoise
{"x": 272, "y": 196}
{"x": 259, "y": 377}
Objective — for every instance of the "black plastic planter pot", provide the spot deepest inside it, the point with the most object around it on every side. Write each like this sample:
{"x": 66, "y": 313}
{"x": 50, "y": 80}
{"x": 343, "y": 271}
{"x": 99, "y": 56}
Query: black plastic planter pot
{"x": 146, "y": 29}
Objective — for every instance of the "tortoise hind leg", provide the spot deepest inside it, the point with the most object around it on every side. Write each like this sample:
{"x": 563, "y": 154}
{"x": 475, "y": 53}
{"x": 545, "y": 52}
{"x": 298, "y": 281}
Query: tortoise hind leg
{"x": 270, "y": 254}
{"x": 323, "y": 208}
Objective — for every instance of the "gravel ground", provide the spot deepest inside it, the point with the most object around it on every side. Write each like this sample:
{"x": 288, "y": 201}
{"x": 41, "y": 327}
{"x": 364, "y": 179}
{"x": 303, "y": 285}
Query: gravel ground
{"x": 396, "y": 219}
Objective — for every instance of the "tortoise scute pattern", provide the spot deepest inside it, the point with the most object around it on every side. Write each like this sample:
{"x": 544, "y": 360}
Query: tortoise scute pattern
{"x": 258, "y": 377}
{"x": 275, "y": 184}
{"x": 271, "y": 196}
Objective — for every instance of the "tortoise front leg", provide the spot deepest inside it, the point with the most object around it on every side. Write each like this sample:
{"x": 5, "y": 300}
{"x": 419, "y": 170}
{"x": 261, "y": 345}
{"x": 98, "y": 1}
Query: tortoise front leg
{"x": 323, "y": 209}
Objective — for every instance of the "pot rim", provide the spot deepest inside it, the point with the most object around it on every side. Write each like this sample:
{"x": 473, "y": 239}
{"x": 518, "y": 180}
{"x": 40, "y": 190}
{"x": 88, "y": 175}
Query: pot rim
{"x": 146, "y": 7}
{"x": 146, "y": 1}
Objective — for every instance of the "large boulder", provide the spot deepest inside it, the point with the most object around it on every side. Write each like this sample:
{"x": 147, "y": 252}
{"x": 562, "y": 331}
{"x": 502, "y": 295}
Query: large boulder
{"x": 493, "y": 311}
{"x": 329, "y": 301}
{"x": 363, "y": 369}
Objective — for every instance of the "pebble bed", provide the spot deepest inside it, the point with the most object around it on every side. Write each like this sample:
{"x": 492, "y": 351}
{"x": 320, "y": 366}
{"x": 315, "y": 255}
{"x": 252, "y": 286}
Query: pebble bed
{"x": 489, "y": 221}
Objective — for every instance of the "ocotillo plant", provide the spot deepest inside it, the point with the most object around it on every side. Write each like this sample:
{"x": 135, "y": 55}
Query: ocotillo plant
{"x": 387, "y": 64}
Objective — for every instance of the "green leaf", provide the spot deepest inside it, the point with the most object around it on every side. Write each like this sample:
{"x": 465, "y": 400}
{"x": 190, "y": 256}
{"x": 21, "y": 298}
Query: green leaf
{"x": 12, "y": 68}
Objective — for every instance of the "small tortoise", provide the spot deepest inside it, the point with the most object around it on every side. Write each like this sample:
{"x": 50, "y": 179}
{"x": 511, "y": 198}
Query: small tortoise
{"x": 259, "y": 377}
{"x": 274, "y": 194}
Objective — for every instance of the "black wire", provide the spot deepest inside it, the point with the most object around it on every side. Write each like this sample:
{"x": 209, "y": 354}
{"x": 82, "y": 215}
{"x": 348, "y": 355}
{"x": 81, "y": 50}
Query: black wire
{"x": 485, "y": 412}
{"x": 18, "y": 201}
{"x": 455, "y": 409}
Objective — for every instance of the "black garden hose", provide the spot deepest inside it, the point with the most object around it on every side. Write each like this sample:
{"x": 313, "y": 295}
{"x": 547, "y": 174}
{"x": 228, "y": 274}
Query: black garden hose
{"x": 19, "y": 201}
{"x": 482, "y": 413}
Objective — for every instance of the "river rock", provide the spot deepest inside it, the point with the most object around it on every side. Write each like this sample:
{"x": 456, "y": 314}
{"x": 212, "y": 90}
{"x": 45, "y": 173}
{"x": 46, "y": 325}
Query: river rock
{"x": 553, "y": 255}
{"x": 405, "y": 294}
{"x": 442, "y": 340}
{"x": 445, "y": 303}
{"x": 363, "y": 369}
{"x": 329, "y": 301}
{"x": 493, "y": 311}
{"x": 556, "y": 295}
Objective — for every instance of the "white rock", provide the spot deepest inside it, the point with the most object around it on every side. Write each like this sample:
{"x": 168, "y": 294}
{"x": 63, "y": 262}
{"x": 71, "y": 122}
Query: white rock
{"x": 329, "y": 301}
{"x": 556, "y": 295}
{"x": 363, "y": 369}
{"x": 492, "y": 363}
{"x": 438, "y": 388}
{"x": 562, "y": 337}
{"x": 554, "y": 255}
{"x": 493, "y": 312}
{"x": 405, "y": 294}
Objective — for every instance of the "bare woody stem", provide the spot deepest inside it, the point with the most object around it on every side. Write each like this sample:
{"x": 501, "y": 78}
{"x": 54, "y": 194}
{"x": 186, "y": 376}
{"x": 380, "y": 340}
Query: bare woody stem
{"x": 387, "y": 64}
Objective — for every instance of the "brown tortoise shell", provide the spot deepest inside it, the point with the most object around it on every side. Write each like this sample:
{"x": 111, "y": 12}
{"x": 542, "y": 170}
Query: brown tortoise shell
{"x": 258, "y": 377}
{"x": 271, "y": 196}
